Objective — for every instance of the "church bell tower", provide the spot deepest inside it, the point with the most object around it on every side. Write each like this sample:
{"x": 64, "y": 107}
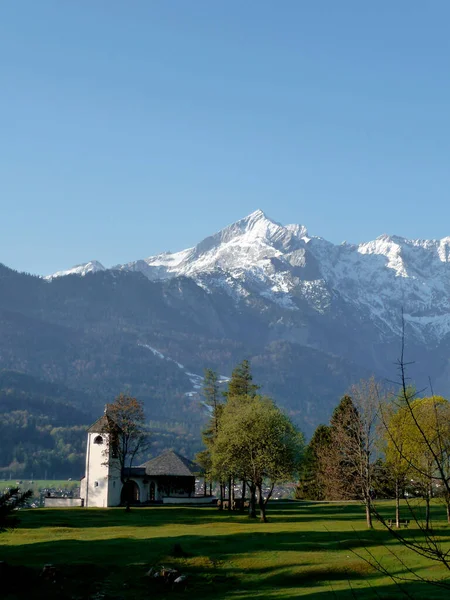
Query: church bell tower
{"x": 101, "y": 485}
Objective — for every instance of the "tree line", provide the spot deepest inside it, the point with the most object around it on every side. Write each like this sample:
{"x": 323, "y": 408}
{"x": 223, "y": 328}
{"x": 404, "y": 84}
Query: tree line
{"x": 248, "y": 440}
{"x": 380, "y": 444}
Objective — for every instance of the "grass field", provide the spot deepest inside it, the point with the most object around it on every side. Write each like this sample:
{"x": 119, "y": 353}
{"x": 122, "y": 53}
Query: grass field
{"x": 304, "y": 551}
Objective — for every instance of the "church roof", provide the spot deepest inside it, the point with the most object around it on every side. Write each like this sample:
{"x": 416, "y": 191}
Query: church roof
{"x": 103, "y": 424}
{"x": 172, "y": 464}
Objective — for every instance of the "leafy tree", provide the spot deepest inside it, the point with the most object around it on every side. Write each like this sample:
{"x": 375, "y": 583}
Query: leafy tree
{"x": 393, "y": 442}
{"x": 240, "y": 387}
{"x": 128, "y": 433}
{"x": 258, "y": 443}
{"x": 9, "y": 502}
{"x": 417, "y": 454}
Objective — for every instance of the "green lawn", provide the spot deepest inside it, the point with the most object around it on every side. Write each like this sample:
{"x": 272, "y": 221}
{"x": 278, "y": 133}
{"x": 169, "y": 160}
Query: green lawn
{"x": 304, "y": 551}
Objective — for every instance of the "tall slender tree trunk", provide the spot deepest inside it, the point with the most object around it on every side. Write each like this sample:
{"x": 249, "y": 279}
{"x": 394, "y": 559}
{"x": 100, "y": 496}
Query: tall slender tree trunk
{"x": 229, "y": 495}
{"x": 262, "y": 505}
{"x": 397, "y": 503}
{"x": 221, "y": 495}
{"x": 243, "y": 495}
{"x": 369, "y": 511}
{"x": 252, "y": 503}
{"x": 367, "y": 490}
{"x": 427, "y": 510}
{"x": 210, "y": 487}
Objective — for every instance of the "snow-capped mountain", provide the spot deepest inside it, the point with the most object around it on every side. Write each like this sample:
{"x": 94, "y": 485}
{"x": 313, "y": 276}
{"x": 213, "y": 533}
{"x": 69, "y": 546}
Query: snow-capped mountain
{"x": 312, "y": 317}
{"x": 92, "y": 266}
{"x": 258, "y": 258}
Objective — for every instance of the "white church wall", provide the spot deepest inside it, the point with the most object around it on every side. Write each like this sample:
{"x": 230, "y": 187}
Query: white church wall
{"x": 83, "y": 488}
{"x": 114, "y": 489}
{"x": 97, "y": 480}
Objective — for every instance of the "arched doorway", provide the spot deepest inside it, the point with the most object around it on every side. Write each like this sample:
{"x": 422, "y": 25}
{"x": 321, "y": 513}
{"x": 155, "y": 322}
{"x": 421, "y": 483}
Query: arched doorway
{"x": 130, "y": 493}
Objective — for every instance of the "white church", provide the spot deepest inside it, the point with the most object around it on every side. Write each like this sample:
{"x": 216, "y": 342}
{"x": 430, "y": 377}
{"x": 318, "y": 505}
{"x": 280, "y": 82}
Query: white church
{"x": 168, "y": 478}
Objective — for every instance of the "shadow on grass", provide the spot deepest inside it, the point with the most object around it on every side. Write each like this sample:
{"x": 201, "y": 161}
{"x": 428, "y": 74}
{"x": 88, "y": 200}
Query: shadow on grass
{"x": 160, "y": 515}
{"x": 116, "y": 568}
{"x": 119, "y": 565}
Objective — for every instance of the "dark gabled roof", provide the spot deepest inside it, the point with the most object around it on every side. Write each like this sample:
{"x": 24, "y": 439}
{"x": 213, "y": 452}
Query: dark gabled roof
{"x": 102, "y": 425}
{"x": 172, "y": 464}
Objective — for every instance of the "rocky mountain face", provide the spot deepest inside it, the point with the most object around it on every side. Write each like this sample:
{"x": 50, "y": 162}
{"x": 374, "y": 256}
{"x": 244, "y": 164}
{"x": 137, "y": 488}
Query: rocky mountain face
{"x": 313, "y": 318}
{"x": 257, "y": 257}
{"x": 345, "y": 300}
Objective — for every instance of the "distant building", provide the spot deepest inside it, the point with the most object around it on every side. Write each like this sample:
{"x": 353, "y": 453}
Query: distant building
{"x": 168, "y": 478}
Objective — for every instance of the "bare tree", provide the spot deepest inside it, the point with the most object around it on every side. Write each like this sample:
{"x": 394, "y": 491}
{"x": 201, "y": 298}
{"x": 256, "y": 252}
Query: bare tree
{"x": 128, "y": 434}
{"x": 431, "y": 435}
{"x": 354, "y": 437}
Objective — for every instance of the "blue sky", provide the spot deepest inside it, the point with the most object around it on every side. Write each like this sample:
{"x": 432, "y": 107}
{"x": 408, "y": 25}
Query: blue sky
{"x": 131, "y": 128}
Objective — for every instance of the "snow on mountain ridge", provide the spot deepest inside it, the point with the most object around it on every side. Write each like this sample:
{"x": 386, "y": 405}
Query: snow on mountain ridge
{"x": 258, "y": 257}
{"x": 92, "y": 266}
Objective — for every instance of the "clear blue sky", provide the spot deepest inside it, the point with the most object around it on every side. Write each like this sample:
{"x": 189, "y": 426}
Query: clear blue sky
{"x": 131, "y": 128}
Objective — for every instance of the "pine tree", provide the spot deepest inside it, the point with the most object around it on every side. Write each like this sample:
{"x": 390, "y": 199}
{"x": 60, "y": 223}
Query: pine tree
{"x": 9, "y": 502}
{"x": 211, "y": 395}
{"x": 341, "y": 479}
{"x": 313, "y": 476}
{"x": 241, "y": 382}
{"x": 354, "y": 433}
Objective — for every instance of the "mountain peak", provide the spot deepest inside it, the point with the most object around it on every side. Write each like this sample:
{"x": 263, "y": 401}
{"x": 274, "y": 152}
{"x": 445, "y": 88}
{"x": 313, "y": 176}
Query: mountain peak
{"x": 256, "y": 222}
{"x": 257, "y": 214}
{"x": 90, "y": 267}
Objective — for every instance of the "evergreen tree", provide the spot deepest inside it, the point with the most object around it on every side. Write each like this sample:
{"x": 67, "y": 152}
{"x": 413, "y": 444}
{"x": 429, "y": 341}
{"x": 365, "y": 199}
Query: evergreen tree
{"x": 313, "y": 475}
{"x": 241, "y": 382}
{"x": 341, "y": 477}
{"x": 353, "y": 437}
{"x": 9, "y": 502}
{"x": 211, "y": 395}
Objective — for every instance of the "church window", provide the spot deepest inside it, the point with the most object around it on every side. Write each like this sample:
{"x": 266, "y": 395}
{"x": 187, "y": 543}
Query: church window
{"x": 98, "y": 440}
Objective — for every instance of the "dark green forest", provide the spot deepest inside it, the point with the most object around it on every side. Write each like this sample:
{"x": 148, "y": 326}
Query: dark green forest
{"x": 43, "y": 432}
